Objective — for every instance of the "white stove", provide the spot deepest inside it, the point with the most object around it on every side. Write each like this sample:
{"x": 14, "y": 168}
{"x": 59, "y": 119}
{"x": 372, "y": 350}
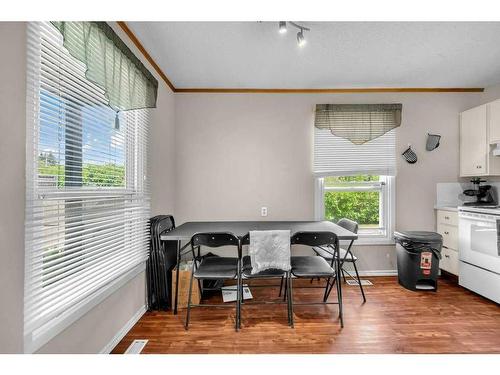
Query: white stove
{"x": 479, "y": 250}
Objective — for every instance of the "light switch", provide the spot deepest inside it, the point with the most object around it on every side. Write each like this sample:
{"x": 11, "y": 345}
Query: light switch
{"x": 263, "y": 211}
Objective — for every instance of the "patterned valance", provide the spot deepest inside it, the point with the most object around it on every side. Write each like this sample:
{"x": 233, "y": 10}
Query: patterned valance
{"x": 110, "y": 64}
{"x": 358, "y": 123}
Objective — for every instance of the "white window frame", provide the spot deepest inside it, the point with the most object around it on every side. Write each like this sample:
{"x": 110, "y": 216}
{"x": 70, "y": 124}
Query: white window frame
{"x": 387, "y": 211}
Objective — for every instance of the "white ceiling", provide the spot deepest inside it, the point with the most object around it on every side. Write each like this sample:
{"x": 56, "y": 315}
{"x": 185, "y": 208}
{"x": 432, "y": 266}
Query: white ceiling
{"x": 337, "y": 54}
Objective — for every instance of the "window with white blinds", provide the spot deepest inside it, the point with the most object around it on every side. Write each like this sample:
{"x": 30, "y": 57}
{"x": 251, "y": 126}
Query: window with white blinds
{"x": 87, "y": 204}
{"x": 337, "y": 156}
{"x": 355, "y": 139}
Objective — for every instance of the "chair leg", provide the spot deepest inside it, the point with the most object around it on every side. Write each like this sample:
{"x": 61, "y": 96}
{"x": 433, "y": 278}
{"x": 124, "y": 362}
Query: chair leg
{"x": 200, "y": 288}
{"x": 288, "y": 307}
{"x": 334, "y": 280}
{"x": 281, "y": 286}
{"x": 189, "y": 298}
{"x": 290, "y": 298}
{"x": 327, "y": 287}
{"x": 343, "y": 275}
{"x": 238, "y": 299}
{"x": 339, "y": 298}
{"x": 359, "y": 281}
{"x": 285, "y": 292}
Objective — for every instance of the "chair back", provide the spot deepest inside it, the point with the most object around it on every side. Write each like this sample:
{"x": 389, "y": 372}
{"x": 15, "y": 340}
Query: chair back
{"x": 216, "y": 239}
{"x": 245, "y": 240}
{"x": 314, "y": 239}
{"x": 166, "y": 224}
{"x": 348, "y": 224}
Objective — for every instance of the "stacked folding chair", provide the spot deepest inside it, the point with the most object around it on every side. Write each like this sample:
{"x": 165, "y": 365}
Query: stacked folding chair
{"x": 162, "y": 259}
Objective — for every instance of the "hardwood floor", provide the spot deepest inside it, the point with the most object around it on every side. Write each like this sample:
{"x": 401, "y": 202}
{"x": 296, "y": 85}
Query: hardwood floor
{"x": 393, "y": 320}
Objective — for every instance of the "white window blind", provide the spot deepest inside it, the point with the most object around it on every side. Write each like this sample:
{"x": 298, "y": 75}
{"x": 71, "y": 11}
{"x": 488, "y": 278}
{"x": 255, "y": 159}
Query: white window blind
{"x": 87, "y": 204}
{"x": 337, "y": 156}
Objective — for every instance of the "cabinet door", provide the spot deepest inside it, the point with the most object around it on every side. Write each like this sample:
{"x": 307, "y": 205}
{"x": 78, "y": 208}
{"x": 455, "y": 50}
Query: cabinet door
{"x": 473, "y": 145}
{"x": 494, "y": 122}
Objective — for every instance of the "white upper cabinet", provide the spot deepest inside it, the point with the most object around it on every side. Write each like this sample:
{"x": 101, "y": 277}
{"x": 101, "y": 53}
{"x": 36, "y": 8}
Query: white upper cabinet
{"x": 494, "y": 122}
{"x": 473, "y": 145}
{"x": 479, "y": 130}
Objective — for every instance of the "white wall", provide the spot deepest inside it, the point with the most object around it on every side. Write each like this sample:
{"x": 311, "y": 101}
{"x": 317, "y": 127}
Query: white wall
{"x": 238, "y": 152}
{"x": 96, "y": 329}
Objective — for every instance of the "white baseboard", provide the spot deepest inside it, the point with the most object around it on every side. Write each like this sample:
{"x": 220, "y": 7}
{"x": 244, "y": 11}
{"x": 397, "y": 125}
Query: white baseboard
{"x": 378, "y": 273}
{"x": 123, "y": 331}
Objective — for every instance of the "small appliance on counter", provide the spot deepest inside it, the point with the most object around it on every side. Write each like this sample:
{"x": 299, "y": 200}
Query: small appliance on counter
{"x": 484, "y": 194}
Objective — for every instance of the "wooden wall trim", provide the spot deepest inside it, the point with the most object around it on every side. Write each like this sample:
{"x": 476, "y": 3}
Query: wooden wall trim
{"x": 331, "y": 91}
{"x": 148, "y": 57}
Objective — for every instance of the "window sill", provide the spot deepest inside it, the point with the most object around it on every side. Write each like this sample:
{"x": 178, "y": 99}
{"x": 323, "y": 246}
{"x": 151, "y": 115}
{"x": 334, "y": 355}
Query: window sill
{"x": 371, "y": 241}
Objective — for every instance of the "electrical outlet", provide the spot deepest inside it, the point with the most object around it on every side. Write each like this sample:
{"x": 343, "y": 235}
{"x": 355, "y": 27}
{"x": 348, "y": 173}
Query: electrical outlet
{"x": 263, "y": 211}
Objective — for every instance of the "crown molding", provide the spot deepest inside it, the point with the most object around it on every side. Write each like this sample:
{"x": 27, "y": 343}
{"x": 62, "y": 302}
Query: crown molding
{"x": 330, "y": 91}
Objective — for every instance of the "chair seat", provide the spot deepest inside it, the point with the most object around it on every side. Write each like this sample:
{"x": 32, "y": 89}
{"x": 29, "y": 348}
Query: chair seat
{"x": 247, "y": 270}
{"x": 342, "y": 252}
{"x": 217, "y": 268}
{"x": 311, "y": 266}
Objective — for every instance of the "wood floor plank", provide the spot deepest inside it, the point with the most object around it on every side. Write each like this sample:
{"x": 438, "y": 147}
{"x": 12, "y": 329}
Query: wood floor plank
{"x": 393, "y": 320}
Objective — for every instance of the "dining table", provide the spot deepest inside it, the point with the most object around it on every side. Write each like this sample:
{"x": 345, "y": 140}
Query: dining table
{"x": 185, "y": 231}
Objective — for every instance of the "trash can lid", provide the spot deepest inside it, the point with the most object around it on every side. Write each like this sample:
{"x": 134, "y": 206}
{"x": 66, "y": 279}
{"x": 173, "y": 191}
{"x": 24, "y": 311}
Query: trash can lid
{"x": 418, "y": 236}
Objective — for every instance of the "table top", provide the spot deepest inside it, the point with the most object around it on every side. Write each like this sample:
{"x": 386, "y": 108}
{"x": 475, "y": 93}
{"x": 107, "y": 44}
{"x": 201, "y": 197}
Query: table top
{"x": 240, "y": 228}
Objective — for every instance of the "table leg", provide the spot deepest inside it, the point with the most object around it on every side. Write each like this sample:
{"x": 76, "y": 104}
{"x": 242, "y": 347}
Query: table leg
{"x": 177, "y": 276}
{"x": 339, "y": 287}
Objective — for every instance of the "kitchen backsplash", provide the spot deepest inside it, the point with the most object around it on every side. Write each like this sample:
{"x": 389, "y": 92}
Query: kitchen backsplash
{"x": 451, "y": 193}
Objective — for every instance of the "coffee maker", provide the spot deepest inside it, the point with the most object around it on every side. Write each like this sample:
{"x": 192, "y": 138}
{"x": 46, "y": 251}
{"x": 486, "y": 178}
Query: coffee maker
{"x": 483, "y": 194}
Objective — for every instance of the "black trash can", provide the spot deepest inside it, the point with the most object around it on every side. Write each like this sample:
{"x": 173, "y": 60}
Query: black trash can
{"x": 418, "y": 255}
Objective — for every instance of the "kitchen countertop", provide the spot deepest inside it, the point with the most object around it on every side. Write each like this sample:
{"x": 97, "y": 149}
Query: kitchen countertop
{"x": 446, "y": 208}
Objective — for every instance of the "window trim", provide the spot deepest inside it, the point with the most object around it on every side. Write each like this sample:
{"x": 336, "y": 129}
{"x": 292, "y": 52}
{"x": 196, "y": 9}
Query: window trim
{"x": 388, "y": 212}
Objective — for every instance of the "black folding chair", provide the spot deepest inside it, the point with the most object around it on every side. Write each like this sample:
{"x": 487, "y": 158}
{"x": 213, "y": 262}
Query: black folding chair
{"x": 316, "y": 267}
{"x": 346, "y": 256}
{"x": 159, "y": 264}
{"x": 215, "y": 268}
{"x": 246, "y": 274}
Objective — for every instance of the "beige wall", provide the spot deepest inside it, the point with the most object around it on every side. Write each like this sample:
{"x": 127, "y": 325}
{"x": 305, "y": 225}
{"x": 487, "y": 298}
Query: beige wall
{"x": 238, "y": 152}
{"x": 94, "y": 330}
{"x": 490, "y": 94}
{"x": 12, "y": 192}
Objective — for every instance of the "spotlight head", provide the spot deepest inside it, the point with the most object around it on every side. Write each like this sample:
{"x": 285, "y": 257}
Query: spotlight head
{"x": 282, "y": 27}
{"x": 301, "y": 40}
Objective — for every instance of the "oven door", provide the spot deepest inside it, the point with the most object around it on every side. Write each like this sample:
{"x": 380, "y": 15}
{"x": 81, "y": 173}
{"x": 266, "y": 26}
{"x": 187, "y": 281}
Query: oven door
{"x": 478, "y": 240}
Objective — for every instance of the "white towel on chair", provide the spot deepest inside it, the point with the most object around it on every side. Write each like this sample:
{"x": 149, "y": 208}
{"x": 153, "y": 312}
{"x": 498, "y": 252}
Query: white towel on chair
{"x": 269, "y": 249}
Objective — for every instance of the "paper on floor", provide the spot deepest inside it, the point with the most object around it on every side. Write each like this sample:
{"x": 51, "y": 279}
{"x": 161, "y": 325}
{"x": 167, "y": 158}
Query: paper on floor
{"x": 229, "y": 293}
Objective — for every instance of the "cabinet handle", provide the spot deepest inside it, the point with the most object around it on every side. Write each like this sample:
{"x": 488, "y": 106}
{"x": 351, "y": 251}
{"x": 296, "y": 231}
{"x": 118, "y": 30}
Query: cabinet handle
{"x": 446, "y": 256}
{"x": 447, "y": 218}
{"x": 478, "y": 166}
{"x": 445, "y": 232}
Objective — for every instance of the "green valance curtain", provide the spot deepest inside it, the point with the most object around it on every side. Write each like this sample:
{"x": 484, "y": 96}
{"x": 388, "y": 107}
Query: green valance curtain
{"x": 358, "y": 123}
{"x": 110, "y": 64}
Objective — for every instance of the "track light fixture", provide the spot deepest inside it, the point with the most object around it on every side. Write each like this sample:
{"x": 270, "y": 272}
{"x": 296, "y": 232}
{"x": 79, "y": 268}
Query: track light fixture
{"x": 282, "y": 27}
{"x": 301, "y": 40}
